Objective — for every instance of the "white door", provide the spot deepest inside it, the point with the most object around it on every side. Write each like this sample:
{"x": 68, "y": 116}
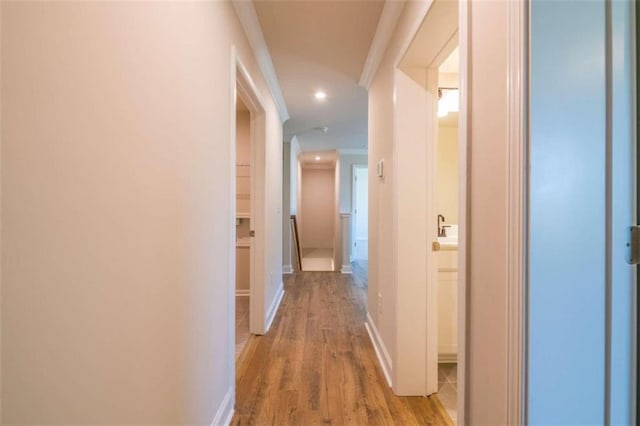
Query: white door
{"x": 581, "y": 191}
{"x": 360, "y": 213}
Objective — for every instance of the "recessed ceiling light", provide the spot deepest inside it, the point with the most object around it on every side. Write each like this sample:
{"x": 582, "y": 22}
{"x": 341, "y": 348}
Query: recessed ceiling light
{"x": 320, "y": 95}
{"x": 317, "y": 158}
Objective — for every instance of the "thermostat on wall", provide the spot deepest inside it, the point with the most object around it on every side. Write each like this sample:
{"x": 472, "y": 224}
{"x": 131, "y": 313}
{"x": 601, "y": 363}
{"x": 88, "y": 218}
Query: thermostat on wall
{"x": 380, "y": 168}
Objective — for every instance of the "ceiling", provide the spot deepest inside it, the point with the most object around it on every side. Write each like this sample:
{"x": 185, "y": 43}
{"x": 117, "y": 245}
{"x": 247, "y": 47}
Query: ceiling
{"x": 321, "y": 45}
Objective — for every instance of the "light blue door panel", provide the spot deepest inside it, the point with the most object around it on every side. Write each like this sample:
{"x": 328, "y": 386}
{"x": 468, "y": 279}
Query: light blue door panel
{"x": 567, "y": 213}
{"x": 580, "y": 289}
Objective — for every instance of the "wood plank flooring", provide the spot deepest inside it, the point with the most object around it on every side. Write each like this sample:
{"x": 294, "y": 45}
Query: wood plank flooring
{"x": 317, "y": 365}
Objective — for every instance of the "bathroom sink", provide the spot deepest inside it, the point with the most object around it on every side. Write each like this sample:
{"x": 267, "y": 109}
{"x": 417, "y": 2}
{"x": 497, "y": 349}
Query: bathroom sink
{"x": 448, "y": 240}
{"x": 451, "y": 240}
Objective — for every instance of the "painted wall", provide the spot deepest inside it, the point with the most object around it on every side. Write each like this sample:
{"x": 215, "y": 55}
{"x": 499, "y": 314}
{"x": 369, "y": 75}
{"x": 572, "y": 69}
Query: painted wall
{"x": 116, "y": 210}
{"x": 447, "y": 201}
{"x": 346, "y": 178}
{"x": 292, "y": 189}
{"x": 318, "y": 208}
{"x": 337, "y": 228}
{"x": 487, "y": 234}
{"x": 286, "y": 207}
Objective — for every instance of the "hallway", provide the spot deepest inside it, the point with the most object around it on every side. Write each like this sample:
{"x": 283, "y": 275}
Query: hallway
{"x": 317, "y": 365}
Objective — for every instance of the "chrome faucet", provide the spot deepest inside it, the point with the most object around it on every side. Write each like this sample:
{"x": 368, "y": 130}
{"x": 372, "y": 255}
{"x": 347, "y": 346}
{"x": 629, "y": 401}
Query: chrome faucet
{"x": 442, "y": 232}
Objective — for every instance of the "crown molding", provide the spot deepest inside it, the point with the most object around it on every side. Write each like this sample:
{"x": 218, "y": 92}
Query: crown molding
{"x": 248, "y": 18}
{"x": 353, "y": 151}
{"x": 386, "y": 25}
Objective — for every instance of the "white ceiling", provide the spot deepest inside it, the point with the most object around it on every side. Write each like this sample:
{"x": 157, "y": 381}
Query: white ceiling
{"x": 321, "y": 45}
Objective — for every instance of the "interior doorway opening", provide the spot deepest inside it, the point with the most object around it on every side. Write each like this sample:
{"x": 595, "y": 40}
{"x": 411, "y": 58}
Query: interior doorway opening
{"x": 447, "y": 206}
{"x": 243, "y": 225}
{"x": 317, "y": 221}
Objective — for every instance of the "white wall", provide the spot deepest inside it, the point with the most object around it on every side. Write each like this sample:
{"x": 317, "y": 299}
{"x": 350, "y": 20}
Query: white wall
{"x": 292, "y": 190}
{"x": 116, "y": 204}
{"x": 346, "y": 178}
{"x": 295, "y": 176}
{"x": 447, "y": 190}
{"x": 337, "y": 223}
{"x": 488, "y": 146}
{"x": 287, "y": 259}
{"x": 318, "y": 208}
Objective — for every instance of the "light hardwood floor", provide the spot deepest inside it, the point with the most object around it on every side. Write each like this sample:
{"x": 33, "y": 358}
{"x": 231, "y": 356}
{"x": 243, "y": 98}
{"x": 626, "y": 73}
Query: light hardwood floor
{"x": 317, "y": 366}
{"x": 242, "y": 323}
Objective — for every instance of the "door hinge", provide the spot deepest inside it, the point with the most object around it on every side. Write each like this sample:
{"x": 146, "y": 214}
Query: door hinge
{"x": 633, "y": 245}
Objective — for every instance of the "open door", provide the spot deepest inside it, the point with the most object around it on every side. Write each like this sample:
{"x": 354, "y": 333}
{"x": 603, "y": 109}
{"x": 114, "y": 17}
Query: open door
{"x": 412, "y": 219}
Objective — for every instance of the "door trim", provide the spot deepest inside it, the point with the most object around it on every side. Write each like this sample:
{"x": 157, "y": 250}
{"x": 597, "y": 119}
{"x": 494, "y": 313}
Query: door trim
{"x": 354, "y": 217}
{"x": 517, "y": 202}
{"x": 243, "y": 85}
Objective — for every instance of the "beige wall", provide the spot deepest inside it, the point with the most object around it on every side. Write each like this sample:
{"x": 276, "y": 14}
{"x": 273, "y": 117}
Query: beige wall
{"x": 318, "y": 208}
{"x": 116, "y": 210}
{"x": 337, "y": 225}
{"x": 487, "y": 264}
{"x": 447, "y": 201}
{"x": 346, "y": 178}
{"x": 287, "y": 262}
{"x": 291, "y": 199}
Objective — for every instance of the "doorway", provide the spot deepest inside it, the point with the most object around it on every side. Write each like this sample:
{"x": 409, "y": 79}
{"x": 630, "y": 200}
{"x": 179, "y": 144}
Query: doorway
{"x": 317, "y": 214}
{"x": 447, "y": 206}
{"x": 360, "y": 214}
{"x": 430, "y": 154}
{"x": 246, "y": 222}
{"x": 244, "y": 256}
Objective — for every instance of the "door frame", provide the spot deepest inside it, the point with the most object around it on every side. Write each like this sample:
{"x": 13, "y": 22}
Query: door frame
{"x": 242, "y": 85}
{"x": 354, "y": 167}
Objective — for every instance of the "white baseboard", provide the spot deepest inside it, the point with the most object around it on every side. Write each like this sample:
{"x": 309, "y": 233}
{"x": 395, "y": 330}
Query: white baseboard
{"x": 273, "y": 309}
{"x": 381, "y": 351}
{"x": 346, "y": 269}
{"x": 243, "y": 293}
{"x": 287, "y": 269}
{"x": 225, "y": 411}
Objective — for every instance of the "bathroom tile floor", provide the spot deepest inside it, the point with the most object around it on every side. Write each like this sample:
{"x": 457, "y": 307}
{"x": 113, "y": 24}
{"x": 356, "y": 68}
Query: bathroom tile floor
{"x": 242, "y": 323}
{"x": 448, "y": 388}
